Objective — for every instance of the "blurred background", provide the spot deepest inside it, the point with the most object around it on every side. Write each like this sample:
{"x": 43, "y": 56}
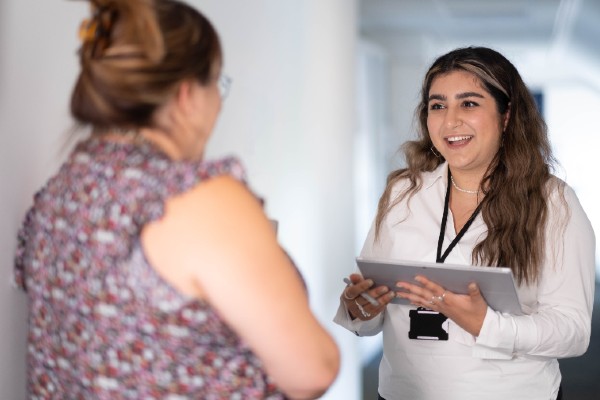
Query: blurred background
{"x": 323, "y": 94}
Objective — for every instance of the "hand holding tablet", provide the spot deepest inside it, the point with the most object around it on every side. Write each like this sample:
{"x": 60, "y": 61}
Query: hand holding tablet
{"x": 496, "y": 283}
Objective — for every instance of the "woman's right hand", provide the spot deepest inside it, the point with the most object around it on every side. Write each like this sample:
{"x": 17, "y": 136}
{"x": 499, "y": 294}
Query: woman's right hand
{"x": 361, "y": 308}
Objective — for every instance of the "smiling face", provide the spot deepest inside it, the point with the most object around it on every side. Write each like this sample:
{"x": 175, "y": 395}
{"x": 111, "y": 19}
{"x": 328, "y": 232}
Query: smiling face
{"x": 464, "y": 123}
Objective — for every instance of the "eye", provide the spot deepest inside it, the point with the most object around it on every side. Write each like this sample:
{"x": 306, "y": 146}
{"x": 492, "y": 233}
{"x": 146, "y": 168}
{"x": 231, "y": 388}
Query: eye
{"x": 436, "y": 106}
{"x": 469, "y": 104}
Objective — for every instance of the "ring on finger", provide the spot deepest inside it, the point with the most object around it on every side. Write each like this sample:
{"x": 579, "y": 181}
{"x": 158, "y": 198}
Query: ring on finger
{"x": 364, "y": 313}
{"x": 348, "y": 298}
{"x": 440, "y": 299}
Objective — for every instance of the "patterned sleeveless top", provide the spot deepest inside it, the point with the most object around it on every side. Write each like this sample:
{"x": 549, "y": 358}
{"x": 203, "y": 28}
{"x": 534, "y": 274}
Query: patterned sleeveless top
{"x": 102, "y": 323}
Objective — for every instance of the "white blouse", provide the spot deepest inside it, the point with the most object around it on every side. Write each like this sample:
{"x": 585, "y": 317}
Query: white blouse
{"x": 514, "y": 357}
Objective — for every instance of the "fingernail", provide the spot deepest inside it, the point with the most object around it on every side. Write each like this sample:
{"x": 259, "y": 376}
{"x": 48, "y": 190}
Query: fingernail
{"x": 391, "y": 295}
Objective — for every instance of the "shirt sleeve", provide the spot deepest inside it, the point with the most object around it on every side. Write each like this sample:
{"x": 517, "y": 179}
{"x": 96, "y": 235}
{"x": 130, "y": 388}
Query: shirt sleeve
{"x": 560, "y": 324}
{"x": 358, "y": 327}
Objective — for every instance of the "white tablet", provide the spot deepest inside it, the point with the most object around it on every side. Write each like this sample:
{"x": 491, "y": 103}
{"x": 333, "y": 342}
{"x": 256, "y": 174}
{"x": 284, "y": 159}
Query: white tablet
{"x": 496, "y": 283}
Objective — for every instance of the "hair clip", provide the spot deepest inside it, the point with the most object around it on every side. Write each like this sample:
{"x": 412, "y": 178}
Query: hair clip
{"x": 96, "y": 31}
{"x": 88, "y": 30}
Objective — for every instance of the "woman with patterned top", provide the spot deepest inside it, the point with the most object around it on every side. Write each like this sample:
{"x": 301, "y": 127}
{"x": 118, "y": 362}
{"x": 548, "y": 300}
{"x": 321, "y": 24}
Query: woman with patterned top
{"x": 144, "y": 264}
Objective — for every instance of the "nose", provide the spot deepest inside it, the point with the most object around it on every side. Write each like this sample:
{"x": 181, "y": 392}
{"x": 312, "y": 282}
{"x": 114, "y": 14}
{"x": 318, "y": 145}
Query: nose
{"x": 452, "y": 119}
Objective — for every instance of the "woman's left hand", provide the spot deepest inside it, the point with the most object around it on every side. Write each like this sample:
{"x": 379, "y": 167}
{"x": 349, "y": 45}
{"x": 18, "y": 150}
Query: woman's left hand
{"x": 466, "y": 310}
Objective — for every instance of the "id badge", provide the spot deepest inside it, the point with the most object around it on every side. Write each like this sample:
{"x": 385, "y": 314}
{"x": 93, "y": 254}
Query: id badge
{"x": 427, "y": 325}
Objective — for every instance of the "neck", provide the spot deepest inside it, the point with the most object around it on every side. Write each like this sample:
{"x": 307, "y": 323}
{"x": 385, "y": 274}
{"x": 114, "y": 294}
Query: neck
{"x": 468, "y": 191}
{"x": 465, "y": 183}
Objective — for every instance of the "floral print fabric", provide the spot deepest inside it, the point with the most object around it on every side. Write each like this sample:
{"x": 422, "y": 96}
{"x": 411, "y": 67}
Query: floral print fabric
{"x": 102, "y": 323}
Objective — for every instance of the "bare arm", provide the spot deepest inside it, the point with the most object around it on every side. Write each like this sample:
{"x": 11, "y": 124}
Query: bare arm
{"x": 216, "y": 243}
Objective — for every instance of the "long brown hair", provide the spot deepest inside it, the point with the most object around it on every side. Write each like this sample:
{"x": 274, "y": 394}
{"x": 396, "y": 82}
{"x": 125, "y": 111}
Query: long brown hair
{"x": 133, "y": 56}
{"x": 516, "y": 182}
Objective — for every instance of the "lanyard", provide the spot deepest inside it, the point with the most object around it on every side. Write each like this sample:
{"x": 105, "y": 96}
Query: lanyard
{"x": 442, "y": 257}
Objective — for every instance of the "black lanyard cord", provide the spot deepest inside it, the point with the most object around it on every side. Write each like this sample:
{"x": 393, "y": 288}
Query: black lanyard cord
{"x": 442, "y": 257}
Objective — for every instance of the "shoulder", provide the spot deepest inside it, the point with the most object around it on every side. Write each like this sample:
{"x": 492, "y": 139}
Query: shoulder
{"x": 560, "y": 195}
{"x": 231, "y": 166}
{"x": 214, "y": 226}
{"x": 219, "y": 213}
{"x": 564, "y": 204}
{"x": 208, "y": 197}
{"x": 222, "y": 196}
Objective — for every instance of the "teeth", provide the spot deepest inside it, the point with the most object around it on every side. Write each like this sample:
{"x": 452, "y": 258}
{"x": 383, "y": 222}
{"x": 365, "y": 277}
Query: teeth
{"x": 458, "y": 138}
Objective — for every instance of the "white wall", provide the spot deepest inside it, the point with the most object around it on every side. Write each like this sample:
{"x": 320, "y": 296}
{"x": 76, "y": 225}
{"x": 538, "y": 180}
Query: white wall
{"x": 290, "y": 117}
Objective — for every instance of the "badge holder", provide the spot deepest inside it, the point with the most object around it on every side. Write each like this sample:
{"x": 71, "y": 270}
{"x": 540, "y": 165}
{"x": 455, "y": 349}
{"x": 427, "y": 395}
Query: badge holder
{"x": 427, "y": 325}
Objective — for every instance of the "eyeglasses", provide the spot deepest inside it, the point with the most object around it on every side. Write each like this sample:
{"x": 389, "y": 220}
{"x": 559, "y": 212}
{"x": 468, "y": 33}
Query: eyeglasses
{"x": 224, "y": 84}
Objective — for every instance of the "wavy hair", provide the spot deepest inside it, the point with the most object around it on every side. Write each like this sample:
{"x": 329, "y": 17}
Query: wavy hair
{"x": 133, "y": 56}
{"x": 516, "y": 182}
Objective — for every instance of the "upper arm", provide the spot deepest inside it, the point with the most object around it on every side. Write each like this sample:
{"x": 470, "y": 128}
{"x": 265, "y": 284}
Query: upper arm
{"x": 218, "y": 235}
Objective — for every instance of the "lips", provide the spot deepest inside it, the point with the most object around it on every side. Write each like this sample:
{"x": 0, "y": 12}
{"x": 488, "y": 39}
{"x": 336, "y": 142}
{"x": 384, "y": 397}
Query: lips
{"x": 458, "y": 140}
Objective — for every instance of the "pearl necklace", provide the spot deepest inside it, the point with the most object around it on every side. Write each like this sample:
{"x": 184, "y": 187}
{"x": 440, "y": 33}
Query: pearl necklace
{"x": 461, "y": 189}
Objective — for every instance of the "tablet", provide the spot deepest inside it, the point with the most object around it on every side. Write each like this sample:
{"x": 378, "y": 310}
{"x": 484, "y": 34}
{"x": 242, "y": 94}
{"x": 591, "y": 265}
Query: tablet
{"x": 496, "y": 283}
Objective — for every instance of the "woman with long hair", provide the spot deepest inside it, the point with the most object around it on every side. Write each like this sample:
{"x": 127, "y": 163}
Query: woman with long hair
{"x": 478, "y": 190}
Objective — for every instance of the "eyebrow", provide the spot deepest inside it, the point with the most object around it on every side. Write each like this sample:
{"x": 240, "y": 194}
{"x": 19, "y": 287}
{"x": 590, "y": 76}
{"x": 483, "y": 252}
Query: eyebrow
{"x": 459, "y": 96}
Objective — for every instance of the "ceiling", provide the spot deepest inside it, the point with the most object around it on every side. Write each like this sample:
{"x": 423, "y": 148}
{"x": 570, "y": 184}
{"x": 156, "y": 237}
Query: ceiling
{"x": 552, "y": 23}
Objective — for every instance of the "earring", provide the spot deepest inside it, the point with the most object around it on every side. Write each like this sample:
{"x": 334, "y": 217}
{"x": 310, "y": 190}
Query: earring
{"x": 434, "y": 152}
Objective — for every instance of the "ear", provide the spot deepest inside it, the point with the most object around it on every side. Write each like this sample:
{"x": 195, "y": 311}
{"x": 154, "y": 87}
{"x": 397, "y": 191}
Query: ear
{"x": 184, "y": 96}
{"x": 506, "y": 118}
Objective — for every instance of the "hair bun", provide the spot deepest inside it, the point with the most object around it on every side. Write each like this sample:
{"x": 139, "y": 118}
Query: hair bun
{"x": 133, "y": 55}
{"x": 96, "y": 32}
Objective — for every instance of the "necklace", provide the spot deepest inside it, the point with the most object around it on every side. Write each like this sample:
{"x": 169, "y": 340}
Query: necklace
{"x": 461, "y": 189}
